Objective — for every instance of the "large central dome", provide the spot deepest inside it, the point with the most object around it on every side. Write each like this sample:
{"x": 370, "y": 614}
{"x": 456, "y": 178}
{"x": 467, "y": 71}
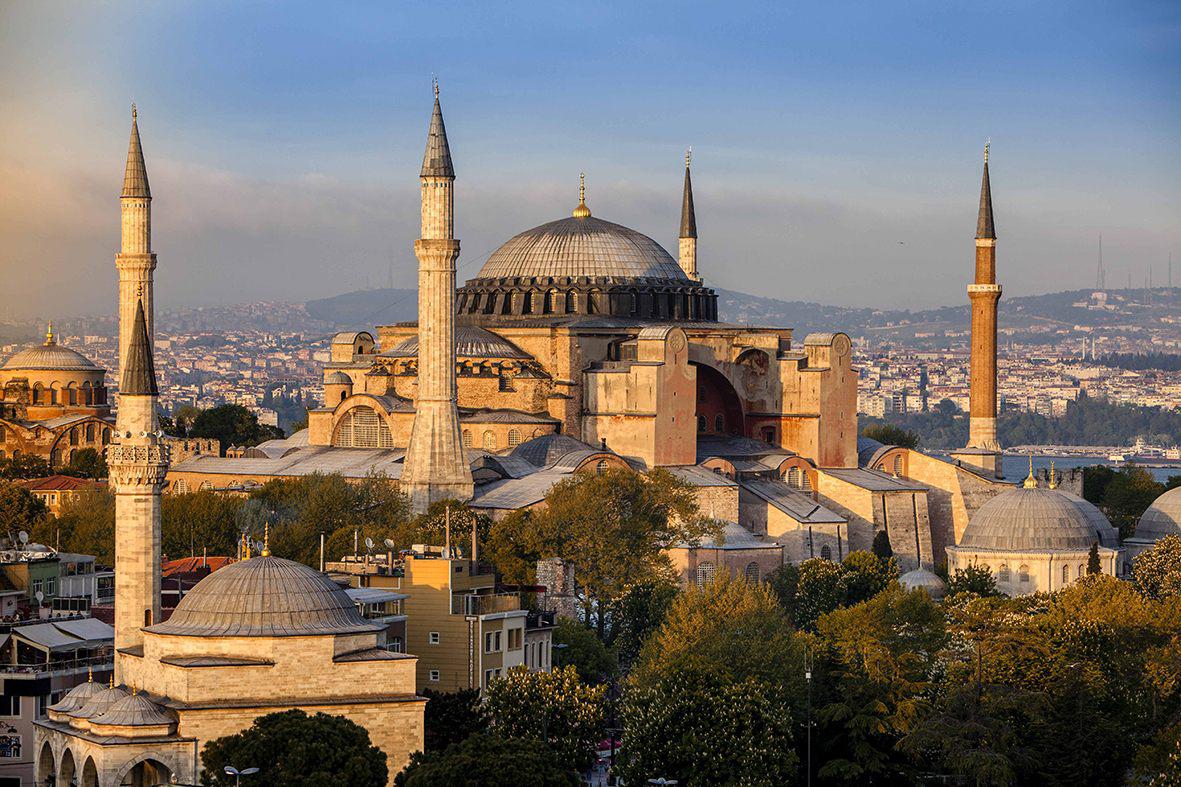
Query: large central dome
{"x": 582, "y": 246}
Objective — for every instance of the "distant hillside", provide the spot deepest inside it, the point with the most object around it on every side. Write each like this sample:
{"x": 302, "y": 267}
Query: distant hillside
{"x": 1054, "y": 312}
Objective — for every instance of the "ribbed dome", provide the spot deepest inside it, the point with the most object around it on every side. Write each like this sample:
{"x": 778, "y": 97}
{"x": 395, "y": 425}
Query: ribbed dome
{"x": 1035, "y": 519}
{"x": 100, "y": 702}
{"x": 546, "y": 450}
{"x": 926, "y": 579}
{"x": 338, "y": 378}
{"x": 49, "y": 357}
{"x": 581, "y": 246}
{"x": 1163, "y": 517}
{"x": 77, "y": 697}
{"x": 265, "y": 597}
{"x": 134, "y": 710}
{"x": 470, "y": 342}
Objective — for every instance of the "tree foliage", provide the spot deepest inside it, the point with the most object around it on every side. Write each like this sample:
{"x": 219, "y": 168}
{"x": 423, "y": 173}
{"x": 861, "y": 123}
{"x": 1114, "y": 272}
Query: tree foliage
{"x": 818, "y": 586}
{"x": 576, "y": 645}
{"x": 487, "y": 760}
{"x": 233, "y": 425}
{"x": 1157, "y": 571}
{"x": 297, "y": 750}
{"x": 23, "y": 467}
{"x": 85, "y": 524}
{"x": 86, "y": 463}
{"x": 20, "y": 509}
{"x": 451, "y": 717}
{"x": 891, "y": 434}
{"x": 554, "y": 707}
{"x": 973, "y": 578}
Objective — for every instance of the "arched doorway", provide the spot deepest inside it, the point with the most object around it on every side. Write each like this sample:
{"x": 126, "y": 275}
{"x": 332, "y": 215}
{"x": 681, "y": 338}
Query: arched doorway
{"x": 66, "y": 773}
{"x": 89, "y": 774}
{"x": 146, "y": 773}
{"x": 45, "y": 767}
{"x": 719, "y": 411}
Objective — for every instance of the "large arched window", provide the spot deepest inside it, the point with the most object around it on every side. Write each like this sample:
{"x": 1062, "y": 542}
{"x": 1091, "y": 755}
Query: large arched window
{"x": 701, "y": 424}
{"x": 38, "y": 394}
{"x": 362, "y": 427}
{"x": 752, "y": 572}
{"x": 1082, "y": 569}
{"x": 1066, "y": 575}
{"x": 793, "y": 477}
{"x": 826, "y": 552}
{"x": 719, "y": 423}
{"x": 705, "y": 573}
{"x": 514, "y": 438}
{"x": 1003, "y": 575}
{"x": 467, "y": 438}
{"x": 601, "y": 467}
{"x": 1023, "y": 574}
{"x": 489, "y": 440}
{"x": 106, "y": 436}
{"x": 90, "y": 433}
{"x": 898, "y": 465}
{"x": 181, "y": 487}
{"x": 74, "y": 436}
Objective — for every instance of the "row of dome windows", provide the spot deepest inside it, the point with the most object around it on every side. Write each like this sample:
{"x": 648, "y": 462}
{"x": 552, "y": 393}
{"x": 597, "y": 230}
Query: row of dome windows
{"x": 706, "y": 570}
{"x": 78, "y": 434}
{"x": 84, "y": 394}
{"x": 674, "y": 305}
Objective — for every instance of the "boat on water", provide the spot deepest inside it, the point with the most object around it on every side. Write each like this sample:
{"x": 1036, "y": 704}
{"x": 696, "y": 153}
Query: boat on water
{"x": 1116, "y": 458}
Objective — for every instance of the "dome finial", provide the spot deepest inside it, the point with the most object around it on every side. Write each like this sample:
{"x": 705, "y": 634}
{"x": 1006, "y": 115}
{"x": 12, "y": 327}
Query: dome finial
{"x": 1053, "y": 482}
{"x": 688, "y": 156}
{"x": 111, "y": 683}
{"x": 435, "y": 83}
{"x": 582, "y": 211}
{"x": 1030, "y": 482}
{"x": 90, "y": 674}
{"x": 49, "y": 334}
{"x": 266, "y": 540}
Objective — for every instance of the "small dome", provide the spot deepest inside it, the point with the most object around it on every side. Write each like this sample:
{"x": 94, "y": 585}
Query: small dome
{"x": 134, "y": 710}
{"x": 927, "y": 580}
{"x": 265, "y": 597}
{"x": 546, "y": 450}
{"x": 338, "y": 378}
{"x": 77, "y": 697}
{"x": 470, "y": 342}
{"x": 1162, "y": 518}
{"x": 1035, "y": 519}
{"x": 49, "y": 357}
{"x": 100, "y": 702}
{"x": 581, "y": 246}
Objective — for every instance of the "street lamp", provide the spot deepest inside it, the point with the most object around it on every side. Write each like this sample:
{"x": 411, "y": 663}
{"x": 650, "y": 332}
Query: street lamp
{"x": 238, "y": 774}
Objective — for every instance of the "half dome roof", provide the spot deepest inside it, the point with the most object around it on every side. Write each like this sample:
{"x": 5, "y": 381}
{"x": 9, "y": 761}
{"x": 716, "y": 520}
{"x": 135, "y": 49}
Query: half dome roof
{"x": 581, "y": 246}
{"x": 265, "y": 597}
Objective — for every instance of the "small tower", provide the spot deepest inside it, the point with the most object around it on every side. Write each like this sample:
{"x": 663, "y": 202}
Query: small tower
{"x": 436, "y": 467}
{"x": 135, "y": 260}
{"x": 138, "y": 463}
{"x": 688, "y": 244}
{"x": 983, "y": 449}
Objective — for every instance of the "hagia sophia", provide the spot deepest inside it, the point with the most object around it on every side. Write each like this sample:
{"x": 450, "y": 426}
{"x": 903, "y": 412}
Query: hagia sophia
{"x": 580, "y": 345}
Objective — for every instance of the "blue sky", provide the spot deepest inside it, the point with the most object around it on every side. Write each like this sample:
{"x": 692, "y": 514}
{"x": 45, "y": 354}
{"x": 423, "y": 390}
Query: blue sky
{"x": 836, "y": 146}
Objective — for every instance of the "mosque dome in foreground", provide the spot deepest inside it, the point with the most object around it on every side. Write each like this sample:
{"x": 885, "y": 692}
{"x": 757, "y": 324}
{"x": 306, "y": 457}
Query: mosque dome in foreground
{"x": 1037, "y": 519}
{"x": 1162, "y": 518}
{"x": 265, "y": 597}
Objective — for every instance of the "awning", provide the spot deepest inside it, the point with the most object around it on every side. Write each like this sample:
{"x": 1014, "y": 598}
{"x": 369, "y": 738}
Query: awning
{"x": 67, "y": 634}
{"x": 374, "y": 595}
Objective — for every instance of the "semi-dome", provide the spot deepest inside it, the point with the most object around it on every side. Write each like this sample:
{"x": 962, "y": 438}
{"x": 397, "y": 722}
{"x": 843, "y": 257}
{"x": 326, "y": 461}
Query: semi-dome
{"x": 581, "y": 246}
{"x": 50, "y": 357}
{"x": 1035, "y": 519}
{"x": 470, "y": 342}
{"x": 1162, "y": 518}
{"x": 265, "y": 597}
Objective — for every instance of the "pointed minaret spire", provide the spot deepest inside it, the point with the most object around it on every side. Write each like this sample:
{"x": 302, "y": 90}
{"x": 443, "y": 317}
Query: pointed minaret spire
{"x": 135, "y": 177}
{"x": 687, "y": 247}
{"x": 688, "y": 216}
{"x": 139, "y": 373}
{"x": 984, "y": 228}
{"x": 436, "y": 162}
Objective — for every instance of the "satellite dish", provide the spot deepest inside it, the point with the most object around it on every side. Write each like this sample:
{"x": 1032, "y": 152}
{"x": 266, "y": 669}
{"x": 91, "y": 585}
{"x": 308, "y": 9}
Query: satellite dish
{"x": 389, "y": 543}
{"x": 368, "y": 543}
{"x": 23, "y": 536}
{"x": 39, "y": 596}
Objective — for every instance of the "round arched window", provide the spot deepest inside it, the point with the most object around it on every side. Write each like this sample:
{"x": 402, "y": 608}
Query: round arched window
{"x": 826, "y": 552}
{"x": 752, "y": 572}
{"x": 705, "y": 573}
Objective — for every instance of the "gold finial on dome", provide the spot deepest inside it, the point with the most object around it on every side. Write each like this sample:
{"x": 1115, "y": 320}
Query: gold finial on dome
{"x": 111, "y": 683}
{"x": 90, "y": 674}
{"x": 582, "y": 211}
{"x": 1053, "y": 483}
{"x": 49, "y": 334}
{"x": 266, "y": 540}
{"x": 1030, "y": 482}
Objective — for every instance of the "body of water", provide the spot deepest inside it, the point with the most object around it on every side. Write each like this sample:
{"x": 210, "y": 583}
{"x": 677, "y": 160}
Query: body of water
{"x": 1017, "y": 467}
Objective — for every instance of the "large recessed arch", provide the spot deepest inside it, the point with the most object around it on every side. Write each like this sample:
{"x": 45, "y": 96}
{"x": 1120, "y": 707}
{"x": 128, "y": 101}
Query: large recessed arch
{"x": 716, "y": 397}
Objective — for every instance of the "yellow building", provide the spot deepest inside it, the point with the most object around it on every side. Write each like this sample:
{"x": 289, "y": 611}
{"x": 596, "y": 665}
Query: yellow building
{"x": 461, "y": 630}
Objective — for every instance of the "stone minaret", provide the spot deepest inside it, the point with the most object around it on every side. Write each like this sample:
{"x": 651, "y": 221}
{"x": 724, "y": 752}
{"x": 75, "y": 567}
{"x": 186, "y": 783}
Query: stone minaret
{"x": 436, "y": 467}
{"x": 983, "y": 448}
{"x": 688, "y": 244}
{"x": 138, "y": 462}
{"x": 135, "y": 260}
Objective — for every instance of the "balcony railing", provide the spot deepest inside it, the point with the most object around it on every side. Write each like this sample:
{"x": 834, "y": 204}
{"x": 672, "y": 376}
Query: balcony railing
{"x": 64, "y": 666}
{"x": 484, "y": 603}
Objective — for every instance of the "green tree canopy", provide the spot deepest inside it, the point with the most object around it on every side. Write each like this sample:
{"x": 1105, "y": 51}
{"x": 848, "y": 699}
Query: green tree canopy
{"x": 576, "y": 645}
{"x": 85, "y": 524}
{"x": 487, "y": 760}
{"x": 233, "y": 425}
{"x": 1129, "y": 494}
{"x": 973, "y": 578}
{"x": 20, "y": 509}
{"x": 24, "y": 466}
{"x": 555, "y": 707}
{"x": 452, "y": 716}
{"x": 1157, "y": 571}
{"x": 615, "y": 528}
{"x": 86, "y": 463}
{"x": 297, "y": 750}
